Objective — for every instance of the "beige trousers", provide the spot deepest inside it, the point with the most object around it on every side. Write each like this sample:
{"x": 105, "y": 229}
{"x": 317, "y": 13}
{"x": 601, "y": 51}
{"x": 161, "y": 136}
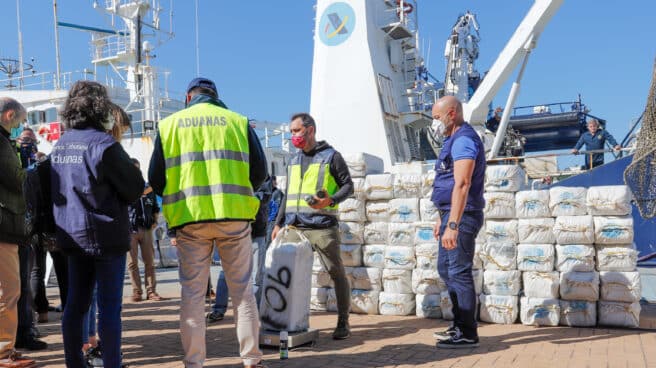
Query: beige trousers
{"x": 142, "y": 239}
{"x": 233, "y": 241}
{"x": 9, "y": 294}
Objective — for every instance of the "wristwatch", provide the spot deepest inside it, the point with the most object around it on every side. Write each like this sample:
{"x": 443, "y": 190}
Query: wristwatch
{"x": 453, "y": 225}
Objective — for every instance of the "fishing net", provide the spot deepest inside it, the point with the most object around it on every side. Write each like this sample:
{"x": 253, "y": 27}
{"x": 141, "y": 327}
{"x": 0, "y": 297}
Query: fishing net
{"x": 640, "y": 175}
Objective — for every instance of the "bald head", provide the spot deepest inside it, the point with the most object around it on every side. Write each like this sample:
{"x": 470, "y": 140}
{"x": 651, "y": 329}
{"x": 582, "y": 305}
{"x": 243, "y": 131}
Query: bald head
{"x": 448, "y": 109}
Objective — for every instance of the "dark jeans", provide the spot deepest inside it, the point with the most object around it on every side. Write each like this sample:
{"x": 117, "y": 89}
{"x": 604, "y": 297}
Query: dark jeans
{"x": 60, "y": 264}
{"x": 84, "y": 272}
{"x": 25, "y": 316}
{"x": 37, "y": 278}
{"x": 455, "y": 268}
{"x": 221, "y": 301}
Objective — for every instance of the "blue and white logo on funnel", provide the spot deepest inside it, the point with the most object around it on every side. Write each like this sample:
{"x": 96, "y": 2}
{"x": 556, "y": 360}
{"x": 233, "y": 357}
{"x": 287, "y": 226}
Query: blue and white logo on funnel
{"x": 337, "y": 23}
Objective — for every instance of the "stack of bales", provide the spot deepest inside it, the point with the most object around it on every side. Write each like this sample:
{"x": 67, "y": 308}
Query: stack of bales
{"x": 619, "y": 286}
{"x": 498, "y": 253}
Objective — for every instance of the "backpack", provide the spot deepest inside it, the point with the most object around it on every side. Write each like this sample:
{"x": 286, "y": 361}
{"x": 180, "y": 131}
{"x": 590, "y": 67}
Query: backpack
{"x": 38, "y": 200}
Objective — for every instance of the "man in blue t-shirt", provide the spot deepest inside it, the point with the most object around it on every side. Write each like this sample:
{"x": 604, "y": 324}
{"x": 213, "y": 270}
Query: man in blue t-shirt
{"x": 458, "y": 195}
{"x": 594, "y": 139}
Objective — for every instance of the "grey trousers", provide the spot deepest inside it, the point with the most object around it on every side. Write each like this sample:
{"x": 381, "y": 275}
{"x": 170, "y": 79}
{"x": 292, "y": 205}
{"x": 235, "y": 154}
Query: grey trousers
{"x": 326, "y": 243}
{"x": 233, "y": 241}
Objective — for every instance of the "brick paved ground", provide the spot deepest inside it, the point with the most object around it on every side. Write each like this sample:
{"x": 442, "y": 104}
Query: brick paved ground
{"x": 151, "y": 339}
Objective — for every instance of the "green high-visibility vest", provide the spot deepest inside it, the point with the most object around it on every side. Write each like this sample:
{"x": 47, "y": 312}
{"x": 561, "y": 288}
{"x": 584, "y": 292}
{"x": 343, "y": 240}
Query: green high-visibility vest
{"x": 207, "y": 166}
{"x": 317, "y": 177}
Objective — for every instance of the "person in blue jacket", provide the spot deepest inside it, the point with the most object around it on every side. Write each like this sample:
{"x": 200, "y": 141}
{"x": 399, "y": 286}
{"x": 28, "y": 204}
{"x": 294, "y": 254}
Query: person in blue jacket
{"x": 594, "y": 139}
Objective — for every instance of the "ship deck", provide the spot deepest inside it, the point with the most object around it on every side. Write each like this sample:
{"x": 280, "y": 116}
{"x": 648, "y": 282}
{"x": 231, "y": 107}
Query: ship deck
{"x": 151, "y": 339}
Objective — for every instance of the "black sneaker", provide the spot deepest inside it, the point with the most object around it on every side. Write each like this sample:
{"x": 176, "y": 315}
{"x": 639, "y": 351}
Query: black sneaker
{"x": 343, "y": 330}
{"x": 31, "y": 344}
{"x": 458, "y": 341}
{"x": 446, "y": 334}
{"x": 214, "y": 317}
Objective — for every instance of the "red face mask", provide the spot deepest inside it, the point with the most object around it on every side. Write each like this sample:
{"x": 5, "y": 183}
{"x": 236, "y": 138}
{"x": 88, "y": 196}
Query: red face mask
{"x": 299, "y": 141}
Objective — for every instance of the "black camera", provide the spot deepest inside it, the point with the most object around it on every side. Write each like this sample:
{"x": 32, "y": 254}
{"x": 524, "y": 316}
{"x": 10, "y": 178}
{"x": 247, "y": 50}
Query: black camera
{"x": 310, "y": 199}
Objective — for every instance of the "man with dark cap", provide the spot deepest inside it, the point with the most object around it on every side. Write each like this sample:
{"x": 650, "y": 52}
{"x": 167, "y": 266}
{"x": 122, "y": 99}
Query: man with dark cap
{"x": 206, "y": 163}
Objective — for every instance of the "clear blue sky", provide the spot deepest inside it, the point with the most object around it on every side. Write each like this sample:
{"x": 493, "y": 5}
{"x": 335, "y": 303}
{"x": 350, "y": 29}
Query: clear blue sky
{"x": 260, "y": 52}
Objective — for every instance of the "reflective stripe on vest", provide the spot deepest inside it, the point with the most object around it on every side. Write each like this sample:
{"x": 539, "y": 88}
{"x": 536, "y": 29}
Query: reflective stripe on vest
{"x": 206, "y": 155}
{"x": 316, "y": 177}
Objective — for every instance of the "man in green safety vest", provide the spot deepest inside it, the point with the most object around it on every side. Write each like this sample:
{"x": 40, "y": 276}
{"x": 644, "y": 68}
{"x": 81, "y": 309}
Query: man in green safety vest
{"x": 317, "y": 180}
{"x": 206, "y": 162}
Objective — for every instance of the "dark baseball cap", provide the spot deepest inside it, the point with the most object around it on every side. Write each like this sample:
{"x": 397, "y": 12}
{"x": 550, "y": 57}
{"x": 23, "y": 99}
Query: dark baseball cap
{"x": 202, "y": 82}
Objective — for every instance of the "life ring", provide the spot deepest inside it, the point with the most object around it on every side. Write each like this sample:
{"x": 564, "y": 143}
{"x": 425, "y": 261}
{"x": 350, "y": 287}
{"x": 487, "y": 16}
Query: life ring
{"x": 407, "y": 7}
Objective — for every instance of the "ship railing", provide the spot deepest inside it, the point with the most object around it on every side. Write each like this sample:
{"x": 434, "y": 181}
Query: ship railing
{"x": 46, "y": 80}
{"x": 108, "y": 46}
{"x": 557, "y": 165}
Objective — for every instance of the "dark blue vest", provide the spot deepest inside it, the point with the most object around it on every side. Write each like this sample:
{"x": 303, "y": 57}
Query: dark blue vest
{"x": 443, "y": 184}
{"x": 90, "y": 217}
{"x": 306, "y": 220}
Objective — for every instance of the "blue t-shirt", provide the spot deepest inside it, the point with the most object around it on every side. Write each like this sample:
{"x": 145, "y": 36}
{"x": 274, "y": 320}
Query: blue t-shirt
{"x": 464, "y": 148}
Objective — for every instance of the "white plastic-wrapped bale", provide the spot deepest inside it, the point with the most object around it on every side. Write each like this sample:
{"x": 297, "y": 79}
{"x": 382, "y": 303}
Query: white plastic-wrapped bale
{"x": 404, "y": 210}
{"x": 427, "y": 210}
{"x": 318, "y": 299}
{"x": 427, "y": 282}
{"x": 377, "y": 211}
{"x": 285, "y": 303}
{"x": 358, "y": 189}
{"x": 399, "y": 257}
{"x": 499, "y": 205}
{"x": 504, "y": 178}
{"x": 539, "y": 311}
{"x": 619, "y": 314}
{"x": 617, "y": 258}
{"x": 424, "y": 233}
{"x": 499, "y": 256}
{"x": 613, "y": 229}
{"x": 316, "y": 263}
{"x": 361, "y": 164}
{"x": 575, "y": 257}
{"x": 351, "y": 255}
{"x": 378, "y": 187}
{"x": 427, "y": 180}
{"x": 535, "y": 257}
{"x": 373, "y": 255}
{"x": 620, "y": 286}
{"x": 391, "y": 304}
{"x": 536, "y": 231}
{"x": 609, "y": 200}
{"x": 426, "y": 255}
{"x": 446, "y": 306}
{"x": 352, "y": 210}
{"x": 397, "y": 281}
{"x": 477, "y": 263}
{"x": 578, "y": 313}
{"x": 351, "y": 232}
{"x": 574, "y": 230}
{"x": 364, "y": 301}
{"x": 376, "y": 233}
{"x": 567, "y": 201}
{"x": 401, "y": 234}
{"x": 541, "y": 284}
{"x": 407, "y": 186}
{"x": 532, "y": 204}
{"x": 502, "y": 282}
{"x": 579, "y": 286}
{"x": 477, "y": 275}
{"x": 500, "y": 309}
{"x": 366, "y": 278}
{"x": 281, "y": 180}
{"x": 504, "y": 231}
{"x": 428, "y": 306}
{"x": 321, "y": 279}
{"x": 331, "y": 301}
